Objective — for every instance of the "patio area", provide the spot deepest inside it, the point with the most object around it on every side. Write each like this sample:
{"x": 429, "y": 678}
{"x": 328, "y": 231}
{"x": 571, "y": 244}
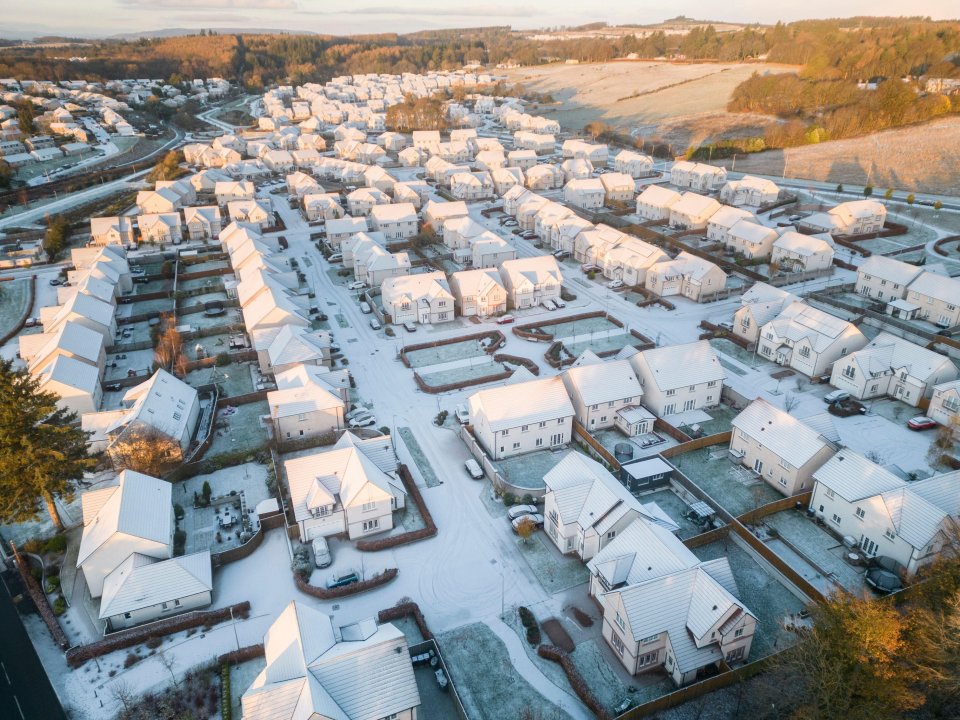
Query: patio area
{"x": 733, "y": 486}
{"x": 242, "y": 429}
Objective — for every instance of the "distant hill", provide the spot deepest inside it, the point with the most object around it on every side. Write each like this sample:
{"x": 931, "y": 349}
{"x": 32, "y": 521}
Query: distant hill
{"x": 180, "y": 32}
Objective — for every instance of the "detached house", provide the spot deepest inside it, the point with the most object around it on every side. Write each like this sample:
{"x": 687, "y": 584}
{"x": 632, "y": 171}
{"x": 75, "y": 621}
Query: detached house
{"x": 749, "y": 190}
{"x": 303, "y": 407}
{"x": 478, "y": 292}
{"x": 794, "y": 252}
{"x": 723, "y": 220}
{"x": 227, "y": 191}
{"x": 340, "y": 229}
{"x": 782, "y": 450}
{"x": 630, "y": 259}
{"x": 808, "y": 340}
{"x": 753, "y": 240}
{"x": 894, "y": 367}
{"x": 256, "y": 212}
{"x": 697, "y": 176}
{"x": 424, "y": 298}
{"x": 692, "y": 211}
{"x": 202, "y": 223}
{"x": 522, "y": 417}
{"x": 111, "y": 230}
{"x": 679, "y": 378}
{"x": 585, "y": 507}
{"x": 687, "y": 275}
{"x": 664, "y": 609}
{"x": 587, "y": 193}
{"x": 341, "y": 490}
{"x": 655, "y": 203}
{"x": 599, "y": 390}
{"x": 362, "y": 200}
{"x": 394, "y": 221}
{"x": 530, "y": 281}
{"x": 317, "y": 670}
{"x": 857, "y": 217}
{"x": 945, "y": 405}
{"x": 886, "y": 279}
{"x": 160, "y": 228}
{"x": 634, "y": 164}
{"x": 544, "y": 177}
{"x": 759, "y": 305}
{"x": 618, "y": 187}
{"x": 910, "y": 523}
{"x": 935, "y": 298}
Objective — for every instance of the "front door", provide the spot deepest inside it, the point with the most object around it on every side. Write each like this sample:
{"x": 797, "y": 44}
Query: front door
{"x": 758, "y": 466}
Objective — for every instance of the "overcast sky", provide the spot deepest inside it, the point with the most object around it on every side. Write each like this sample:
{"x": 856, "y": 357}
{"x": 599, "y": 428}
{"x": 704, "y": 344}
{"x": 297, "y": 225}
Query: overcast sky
{"x": 106, "y": 17}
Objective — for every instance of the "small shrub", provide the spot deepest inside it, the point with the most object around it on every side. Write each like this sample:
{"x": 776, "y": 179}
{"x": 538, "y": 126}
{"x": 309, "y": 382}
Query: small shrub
{"x": 527, "y": 499}
{"x": 56, "y": 544}
{"x": 53, "y": 584}
{"x": 384, "y": 430}
{"x": 178, "y": 511}
{"x": 509, "y": 499}
{"x": 131, "y": 659}
{"x": 591, "y": 275}
{"x": 154, "y": 642}
{"x": 179, "y": 542}
{"x": 223, "y": 359}
{"x": 301, "y": 564}
{"x": 226, "y": 710}
{"x": 59, "y": 606}
{"x": 388, "y": 331}
{"x": 441, "y": 417}
{"x": 34, "y": 545}
{"x": 582, "y": 618}
{"x": 526, "y": 617}
{"x": 533, "y": 635}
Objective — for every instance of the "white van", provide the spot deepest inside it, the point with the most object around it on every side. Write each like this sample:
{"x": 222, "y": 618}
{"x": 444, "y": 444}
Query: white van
{"x": 473, "y": 469}
{"x": 321, "y": 552}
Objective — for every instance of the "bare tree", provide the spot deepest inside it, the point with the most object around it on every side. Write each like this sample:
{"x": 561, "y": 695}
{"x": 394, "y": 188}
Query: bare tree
{"x": 145, "y": 449}
{"x": 790, "y": 401}
{"x": 168, "y": 661}
{"x": 169, "y": 345}
{"x": 121, "y": 692}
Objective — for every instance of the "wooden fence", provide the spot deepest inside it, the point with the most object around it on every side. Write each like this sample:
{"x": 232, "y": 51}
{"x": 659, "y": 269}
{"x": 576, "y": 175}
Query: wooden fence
{"x": 580, "y": 432}
{"x": 697, "y": 443}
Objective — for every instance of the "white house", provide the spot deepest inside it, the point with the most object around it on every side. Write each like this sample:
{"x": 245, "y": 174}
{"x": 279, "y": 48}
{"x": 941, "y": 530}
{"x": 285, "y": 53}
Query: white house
{"x": 655, "y": 203}
{"x": 303, "y": 407}
{"x": 935, "y": 298}
{"x": 618, "y": 187}
{"x": 544, "y": 177}
{"x": 75, "y": 383}
{"x": 133, "y": 516}
{"x": 202, "y": 223}
{"x": 808, "y": 340}
{"x": 394, "y": 221}
{"x": 160, "y": 228}
{"x": 576, "y": 169}
{"x": 894, "y": 367}
{"x": 478, "y": 292}
{"x": 228, "y": 190}
{"x": 630, "y": 259}
{"x": 436, "y": 212}
{"x": 362, "y": 200}
{"x": 697, "y": 176}
{"x": 111, "y": 230}
{"x": 341, "y": 490}
{"x": 857, "y": 217}
{"x": 686, "y": 275}
{"x": 679, "y": 378}
{"x": 596, "y": 153}
{"x": 692, "y": 211}
{"x": 753, "y": 240}
{"x": 316, "y": 670}
{"x": 723, "y": 220}
{"x": 911, "y": 523}
{"x": 471, "y": 185}
{"x": 522, "y": 417}
{"x": 886, "y": 279}
{"x": 794, "y": 252}
{"x": 585, "y": 507}
{"x": 759, "y": 305}
{"x": 778, "y": 447}
{"x": 523, "y": 158}
{"x": 491, "y": 251}
{"x": 587, "y": 193}
{"x": 599, "y": 390}
{"x": 749, "y": 190}
{"x": 257, "y": 212}
{"x": 423, "y": 298}
{"x": 945, "y": 405}
{"x": 634, "y": 164}
{"x": 340, "y": 229}
{"x": 530, "y": 281}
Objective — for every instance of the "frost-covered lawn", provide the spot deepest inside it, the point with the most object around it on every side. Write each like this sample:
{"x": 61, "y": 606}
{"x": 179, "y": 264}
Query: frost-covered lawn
{"x": 527, "y": 470}
{"x": 676, "y": 508}
{"x": 142, "y": 307}
{"x": 764, "y": 596}
{"x": 602, "y": 344}
{"x": 241, "y": 430}
{"x": 555, "y": 572}
{"x": 563, "y": 330}
{"x": 423, "y": 465}
{"x": 462, "y": 374}
{"x": 233, "y": 380}
{"x": 14, "y": 297}
{"x": 206, "y": 283}
{"x": 489, "y": 686}
{"x": 720, "y": 419}
{"x": 735, "y": 487}
{"x": 445, "y": 353}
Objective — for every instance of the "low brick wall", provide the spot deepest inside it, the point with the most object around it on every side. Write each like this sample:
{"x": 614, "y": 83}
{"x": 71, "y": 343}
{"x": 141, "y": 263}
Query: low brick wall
{"x": 78, "y": 655}
{"x": 437, "y": 389}
{"x": 517, "y": 360}
{"x": 354, "y": 589}
{"x": 498, "y": 341}
{"x": 414, "y": 494}
{"x": 525, "y": 331}
{"x": 407, "y": 609}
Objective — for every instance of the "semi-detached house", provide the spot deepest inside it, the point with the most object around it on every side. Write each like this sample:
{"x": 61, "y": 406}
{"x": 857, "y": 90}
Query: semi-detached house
{"x": 599, "y": 390}
{"x": 679, "y": 378}
{"x": 808, "y": 340}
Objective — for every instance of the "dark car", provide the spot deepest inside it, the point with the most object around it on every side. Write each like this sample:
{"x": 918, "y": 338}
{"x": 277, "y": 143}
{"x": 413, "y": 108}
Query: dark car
{"x": 883, "y": 581}
{"x": 342, "y": 579}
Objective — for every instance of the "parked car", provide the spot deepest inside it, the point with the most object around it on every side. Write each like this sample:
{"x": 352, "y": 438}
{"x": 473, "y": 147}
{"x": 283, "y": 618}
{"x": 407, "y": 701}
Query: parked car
{"x": 31, "y": 322}
{"x": 726, "y": 325}
{"x": 561, "y": 254}
{"x": 463, "y": 414}
{"x": 529, "y": 235}
{"x": 363, "y": 421}
{"x": 505, "y": 319}
{"x": 548, "y": 304}
{"x": 518, "y": 510}
{"x": 615, "y": 284}
{"x": 921, "y": 422}
{"x": 357, "y": 412}
{"x": 473, "y": 469}
{"x": 409, "y": 327}
{"x": 375, "y": 324}
{"x": 365, "y": 308}
{"x": 883, "y": 581}
{"x": 535, "y": 517}
{"x": 56, "y": 281}
{"x": 511, "y": 223}
{"x": 589, "y": 267}
{"x": 837, "y": 396}
{"x": 559, "y": 303}
{"x": 321, "y": 553}
{"x": 113, "y": 387}
{"x": 137, "y": 270}
{"x": 356, "y": 285}
{"x": 517, "y": 231}
{"x": 343, "y": 578}
{"x": 336, "y": 257}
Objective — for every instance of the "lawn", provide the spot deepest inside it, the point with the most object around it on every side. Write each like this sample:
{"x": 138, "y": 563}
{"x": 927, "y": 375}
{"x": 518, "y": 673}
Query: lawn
{"x": 602, "y": 344}
{"x": 586, "y": 326}
{"x": 14, "y": 299}
{"x": 555, "y": 572}
{"x": 463, "y": 374}
{"x": 241, "y": 430}
{"x": 527, "y": 470}
{"x": 483, "y": 673}
{"x": 735, "y": 487}
{"x": 419, "y": 459}
{"x": 445, "y": 353}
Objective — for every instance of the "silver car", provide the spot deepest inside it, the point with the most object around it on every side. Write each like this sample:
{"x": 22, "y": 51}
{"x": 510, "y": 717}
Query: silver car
{"x": 521, "y": 510}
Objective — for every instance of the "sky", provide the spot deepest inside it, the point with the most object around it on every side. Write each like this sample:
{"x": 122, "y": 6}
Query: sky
{"x": 96, "y": 18}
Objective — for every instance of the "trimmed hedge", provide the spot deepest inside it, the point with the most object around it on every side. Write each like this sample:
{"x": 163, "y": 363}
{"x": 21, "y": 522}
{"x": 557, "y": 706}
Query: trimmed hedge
{"x": 347, "y": 590}
{"x": 245, "y": 653}
{"x": 76, "y": 656}
{"x": 579, "y": 685}
{"x": 406, "y": 609}
{"x": 413, "y": 492}
{"x": 226, "y": 710}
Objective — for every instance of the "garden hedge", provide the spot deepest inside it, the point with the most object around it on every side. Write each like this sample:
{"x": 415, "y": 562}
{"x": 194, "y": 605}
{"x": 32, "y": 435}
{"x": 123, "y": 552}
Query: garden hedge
{"x": 413, "y": 492}
{"x": 406, "y": 609}
{"x": 579, "y": 685}
{"x": 347, "y": 590}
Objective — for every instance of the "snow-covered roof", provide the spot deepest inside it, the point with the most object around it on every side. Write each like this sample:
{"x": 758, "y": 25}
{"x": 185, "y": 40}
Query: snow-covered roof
{"x": 887, "y": 353}
{"x": 66, "y": 371}
{"x": 799, "y": 321}
{"x": 784, "y": 435}
{"x": 799, "y": 244}
{"x": 895, "y": 271}
{"x": 141, "y": 581}
{"x": 728, "y": 216}
{"x": 139, "y": 506}
{"x": 937, "y": 286}
{"x": 163, "y": 402}
{"x": 586, "y": 494}
{"x": 851, "y": 476}
{"x": 603, "y": 382}
{"x": 294, "y": 344}
{"x": 519, "y": 404}
{"x": 677, "y": 366}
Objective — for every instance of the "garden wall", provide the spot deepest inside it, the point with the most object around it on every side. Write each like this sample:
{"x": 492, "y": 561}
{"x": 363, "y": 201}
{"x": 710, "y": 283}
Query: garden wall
{"x": 498, "y": 342}
{"x": 414, "y": 494}
{"x": 347, "y": 590}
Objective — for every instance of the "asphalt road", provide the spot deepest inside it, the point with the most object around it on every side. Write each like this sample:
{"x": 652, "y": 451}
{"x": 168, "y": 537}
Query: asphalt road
{"x": 25, "y": 690}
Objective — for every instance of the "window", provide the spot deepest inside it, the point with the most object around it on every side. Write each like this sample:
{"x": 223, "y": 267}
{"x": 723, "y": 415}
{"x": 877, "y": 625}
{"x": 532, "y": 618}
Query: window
{"x": 850, "y": 372}
{"x": 611, "y": 535}
{"x": 127, "y": 616}
{"x": 301, "y": 417}
{"x": 543, "y": 424}
{"x": 671, "y": 393}
{"x": 836, "y": 519}
{"x": 738, "y": 633}
{"x": 889, "y": 534}
{"x": 442, "y": 316}
{"x": 524, "y": 428}
{"x": 647, "y": 659}
{"x": 559, "y": 421}
{"x": 712, "y": 383}
{"x": 369, "y": 525}
{"x": 176, "y": 416}
{"x": 765, "y": 350}
{"x": 176, "y": 603}
{"x": 516, "y": 446}
{"x": 649, "y": 639}
{"x": 617, "y": 643}
{"x": 368, "y": 506}
{"x": 611, "y": 404}
{"x": 539, "y": 442}
{"x": 619, "y": 621}
{"x": 805, "y": 351}
{"x": 735, "y": 654}
{"x": 783, "y": 481}
{"x": 829, "y": 493}
{"x": 506, "y": 432}
{"x": 693, "y": 388}
{"x": 784, "y": 464}
{"x": 860, "y": 513}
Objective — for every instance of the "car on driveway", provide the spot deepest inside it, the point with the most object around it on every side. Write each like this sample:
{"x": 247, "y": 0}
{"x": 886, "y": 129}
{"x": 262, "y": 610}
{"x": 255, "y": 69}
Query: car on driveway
{"x": 505, "y": 319}
{"x": 519, "y": 510}
{"x": 561, "y": 254}
{"x": 536, "y": 518}
{"x": 837, "y": 396}
{"x": 321, "y": 553}
{"x": 56, "y": 281}
{"x": 409, "y": 327}
{"x": 615, "y": 284}
{"x": 357, "y": 412}
{"x": 463, "y": 414}
{"x": 356, "y": 285}
{"x": 473, "y": 469}
{"x": 363, "y": 421}
{"x": 342, "y": 579}
{"x": 921, "y": 422}
{"x": 375, "y": 324}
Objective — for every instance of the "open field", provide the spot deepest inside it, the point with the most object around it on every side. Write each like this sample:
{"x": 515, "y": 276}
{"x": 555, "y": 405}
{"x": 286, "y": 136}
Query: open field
{"x": 918, "y": 158}
{"x": 632, "y": 94}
